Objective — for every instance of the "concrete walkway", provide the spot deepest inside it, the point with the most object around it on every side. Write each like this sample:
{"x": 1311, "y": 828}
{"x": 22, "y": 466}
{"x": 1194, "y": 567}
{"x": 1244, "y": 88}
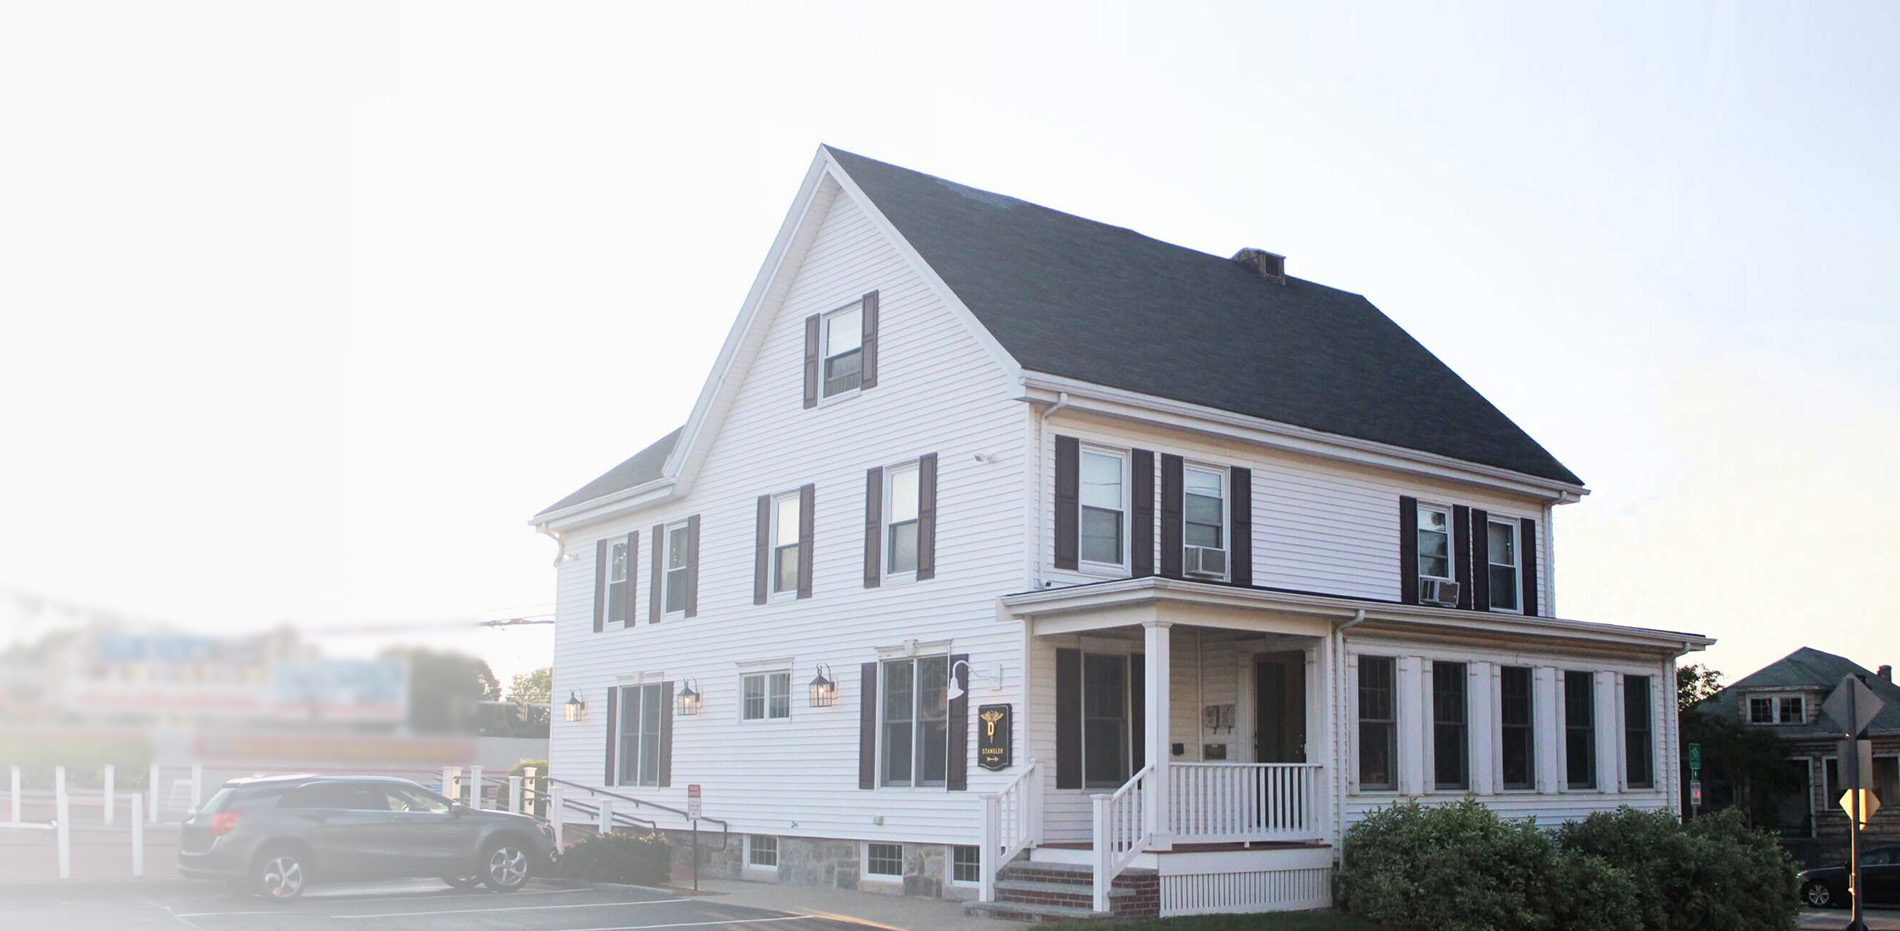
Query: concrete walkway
{"x": 891, "y": 912}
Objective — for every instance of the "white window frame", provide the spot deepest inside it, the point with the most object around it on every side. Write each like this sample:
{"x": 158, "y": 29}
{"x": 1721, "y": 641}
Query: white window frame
{"x": 1781, "y": 705}
{"x": 950, "y": 864}
{"x": 914, "y": 467}
{"x": 1451, "y": 550}
{"x": 666, "y": 570}
{"x": 1226, "y": 510}
{"x": 1516, "y": 565}
{"x": 648, "y": 691}
{"x": 626, "y": 575}
{"x": 751, "y": 848}
{"x": 1082, "y": 561}
{"x": 864, "y": 862}
{"x": 772, "y": 591}
{"x": 916, "y": 782}
{"x": 1774, "y": 700}
{"x": 765, "y": 711}
{"x": 825, "y": 354}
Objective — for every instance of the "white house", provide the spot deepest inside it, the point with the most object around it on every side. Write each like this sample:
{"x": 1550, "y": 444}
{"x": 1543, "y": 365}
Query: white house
{"x": 1140, "y": 574}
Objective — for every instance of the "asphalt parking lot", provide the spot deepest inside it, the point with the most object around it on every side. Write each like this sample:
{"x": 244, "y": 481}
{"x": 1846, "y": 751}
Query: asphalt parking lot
{"x": 421, "y": 906}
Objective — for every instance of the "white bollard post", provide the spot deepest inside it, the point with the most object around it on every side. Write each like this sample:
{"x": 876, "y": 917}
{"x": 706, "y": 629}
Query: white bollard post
{"x": 197, "y": 785}
{"x": 527, "y": 791}
{"x": 111, "y": 801}
{"x": 475, "y": 787}
{"x": 557, "y": 814}
{"x": 138, "y": 835}
{"x": 451, "y": 779}
{"x": 16, "y": 794}
{"x": 514, "y": 794}
{"x": 606, "y": 816}
{"x": 151, "y": 789}
{"x": 62, "y": 823}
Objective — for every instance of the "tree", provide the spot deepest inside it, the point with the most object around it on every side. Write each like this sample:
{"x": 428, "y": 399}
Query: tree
{"x": 536, "y": 686}
{"x": 444, "y": 687}
{"x": 1695, "y": 683}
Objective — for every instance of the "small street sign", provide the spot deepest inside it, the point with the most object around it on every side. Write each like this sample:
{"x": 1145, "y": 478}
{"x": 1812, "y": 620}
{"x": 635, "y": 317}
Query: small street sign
{"x": 1695, "y": 793}
{"x": 692, "y": 802}
{"x": 1852, "y": 705}
{"x": 1869, "y": 803}
{"x": 1695, "y": 760}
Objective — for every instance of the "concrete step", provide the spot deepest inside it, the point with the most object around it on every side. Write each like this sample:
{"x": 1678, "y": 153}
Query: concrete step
{"x": 1022, "y": 911}
{"x": 1025, "y": 888}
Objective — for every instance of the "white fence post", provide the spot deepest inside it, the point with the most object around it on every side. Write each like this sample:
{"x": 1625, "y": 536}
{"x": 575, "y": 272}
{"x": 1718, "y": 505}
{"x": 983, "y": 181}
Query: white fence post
{"x": 992, "y": 843}
{"x": 514, "y": 794}
{"x": 1104, "y": 851}
{"x": 606, "y": 816}
{"x": 138, "y": 835}
{"x": 197, "y": 785}
{"x": 111, "y": 802}
{"x": 557, "y": 812}
{"x": 452, "y": 783}
{"x": 475, "y": 787}
{"x": 151, "y": 789}
{"x": 15, "y": 778}
{"x": 528, "y": 789}
{"x": 62, "y": 823}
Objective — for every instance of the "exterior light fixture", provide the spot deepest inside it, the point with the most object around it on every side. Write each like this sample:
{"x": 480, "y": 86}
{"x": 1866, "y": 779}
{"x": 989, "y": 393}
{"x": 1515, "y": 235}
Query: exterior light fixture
{"x": 689, "y": 699}
{"x": 823, "y": 689}
{"x": 576, "y": 709}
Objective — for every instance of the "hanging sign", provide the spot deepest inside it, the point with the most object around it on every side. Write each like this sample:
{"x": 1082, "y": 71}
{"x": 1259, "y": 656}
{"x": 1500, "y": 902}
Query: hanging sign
{"x": 692, "y": 802}
{"x": 993, "y": 737}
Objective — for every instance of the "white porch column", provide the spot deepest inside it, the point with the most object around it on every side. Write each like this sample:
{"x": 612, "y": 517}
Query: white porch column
{"x": 1481, "y": 717}
{"x": 1413, "y": 700}
{"x": 1155, "y": 691}
{"x": 1609, "y": 733}
{"x": 1546, "y": 703}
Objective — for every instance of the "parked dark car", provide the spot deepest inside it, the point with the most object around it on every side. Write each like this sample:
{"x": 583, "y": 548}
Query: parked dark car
{"x": 1826, "y": 887}
{"x": 276, "y": 835}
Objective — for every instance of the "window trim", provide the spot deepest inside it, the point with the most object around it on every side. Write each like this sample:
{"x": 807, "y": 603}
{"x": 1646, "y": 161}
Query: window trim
{"x": 825, "y": 354}
{"x": 773, "y": 593}
{"x": 621, "y": 721}
{"x": 1082, "y": 562}
{"x": 950, "y": 864}
{"x": 1226, "y": 512}
{"x": 666, "y": 570}
{"x": 1359, "y": 720}
{"x": 1451, "y": 550}
{"x": 750, "y": 848}
{"x": 916, "y": 782}
{"x": 888, "y": 576}
{"x": 766, "y": 715}
{"x": 864, "y": 862}
{"x": 1516, "y": 565}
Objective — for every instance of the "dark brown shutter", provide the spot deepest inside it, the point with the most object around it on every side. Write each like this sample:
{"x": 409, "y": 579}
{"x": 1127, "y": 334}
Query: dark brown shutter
{"x": 1172, "y": 488}
{"x": 1527, "y": 559}
{"x": 762, "y": 553}
{"x": 956, "y": 776}
{"x": 666, "y": 734}
{"x": 927, "y": 516}
{"x": 873, "y": 526}
{"x": 658, "y": 583}
{"x": 1141, "y": 528}
{"x": 602, "y": 549}
{"x": 1461, "y": 552}
{"x": 613, "y": 714}
{"x": 1240, "y": 557}
{"x": 692, "y": 565}
{"x": 1408, "y": 550}
{"x": 1068, "y": 496}
{"x": 805, "y": 523}
{"x": 1137, "y": 712}
{"x": 811, "y": 361}
{"x": 1480, "y": 559}
{"x": 1068, "y": 719}
{"x": 868, "y": 356}
{"x": 867, "y": 726}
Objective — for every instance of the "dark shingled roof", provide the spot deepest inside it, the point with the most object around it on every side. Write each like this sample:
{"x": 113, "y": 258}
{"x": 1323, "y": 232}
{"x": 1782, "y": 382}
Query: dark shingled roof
{"x": 1807, "y": 668}
{"x": 642, "y": 468}
{"x": 1080, "y": 299}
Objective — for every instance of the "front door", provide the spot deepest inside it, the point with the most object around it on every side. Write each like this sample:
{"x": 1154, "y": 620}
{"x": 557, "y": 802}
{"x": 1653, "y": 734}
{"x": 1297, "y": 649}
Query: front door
{"x": 1279, "y": 695}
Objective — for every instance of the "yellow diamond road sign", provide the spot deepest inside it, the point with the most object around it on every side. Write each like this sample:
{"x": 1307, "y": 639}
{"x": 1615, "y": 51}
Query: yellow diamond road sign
{"x": 1869, "y": 803}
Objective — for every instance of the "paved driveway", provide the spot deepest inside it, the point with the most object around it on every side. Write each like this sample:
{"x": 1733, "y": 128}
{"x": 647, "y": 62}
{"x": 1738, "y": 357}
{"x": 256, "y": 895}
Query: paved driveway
{"x": 397, "y": 907}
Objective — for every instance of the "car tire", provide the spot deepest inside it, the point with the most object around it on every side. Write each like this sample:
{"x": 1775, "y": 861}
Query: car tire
{"x": 279, "y": 874}
{"x": 463, "y": 882}
{"x": 1818, "y": 895}
{"x": 504, "y": 865}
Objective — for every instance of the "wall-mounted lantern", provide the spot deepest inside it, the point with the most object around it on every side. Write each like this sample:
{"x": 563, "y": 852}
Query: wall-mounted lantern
{"x": 576, "y": 710}
{"x": 824, "y": 691}
{"x": 689, "y": 699}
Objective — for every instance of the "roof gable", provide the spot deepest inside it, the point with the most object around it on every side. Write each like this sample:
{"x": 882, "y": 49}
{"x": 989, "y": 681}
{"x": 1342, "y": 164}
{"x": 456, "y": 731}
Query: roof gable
{"x": 1080, "y": 299}
{"x": 1808, "y": 669}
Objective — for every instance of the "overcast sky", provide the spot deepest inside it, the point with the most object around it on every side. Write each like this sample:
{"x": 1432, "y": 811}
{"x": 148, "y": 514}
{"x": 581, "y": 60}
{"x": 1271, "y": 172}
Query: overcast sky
{"x": 308, "y": 307}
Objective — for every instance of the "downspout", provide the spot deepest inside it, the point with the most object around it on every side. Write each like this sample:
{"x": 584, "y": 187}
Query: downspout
{"x": 560, "y": 546}
{"x": 1062, "y": 401}
{"x": 1338, "y": 712}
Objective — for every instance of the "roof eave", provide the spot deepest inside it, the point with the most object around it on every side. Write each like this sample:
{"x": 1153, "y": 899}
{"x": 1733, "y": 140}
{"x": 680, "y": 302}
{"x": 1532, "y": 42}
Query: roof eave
{"x": 612, "y": 504}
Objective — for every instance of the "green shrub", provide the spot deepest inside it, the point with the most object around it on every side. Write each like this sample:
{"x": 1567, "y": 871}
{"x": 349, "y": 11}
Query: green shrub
{"x": 1587, "y": 893}
{"x": 1714, "y": 873}
{"x": 642, "y": 860}
{"x": 1454, "y": 867}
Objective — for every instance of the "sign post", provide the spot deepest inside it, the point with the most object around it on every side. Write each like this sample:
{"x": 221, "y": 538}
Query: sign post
{"x": 1695, "y": 778}
{"x": 692, "y": 814}
{"x": 1852, "y": 705}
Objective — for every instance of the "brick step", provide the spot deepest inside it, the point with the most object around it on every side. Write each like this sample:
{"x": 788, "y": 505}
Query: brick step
{"x": 1023, "y": 911}
{"x": 1020, "y": 892}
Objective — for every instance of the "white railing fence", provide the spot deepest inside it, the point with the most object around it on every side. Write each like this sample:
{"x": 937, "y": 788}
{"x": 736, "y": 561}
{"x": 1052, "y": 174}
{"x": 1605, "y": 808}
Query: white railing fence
{"x": 1121, "y": 832}
{"x": 1012, "y": 821}
{"x": 1244, "y": 802}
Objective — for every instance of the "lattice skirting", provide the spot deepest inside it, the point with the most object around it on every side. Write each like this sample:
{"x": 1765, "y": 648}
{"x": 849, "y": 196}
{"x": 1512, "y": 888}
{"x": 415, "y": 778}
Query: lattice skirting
{"x": 1261, "y": 891}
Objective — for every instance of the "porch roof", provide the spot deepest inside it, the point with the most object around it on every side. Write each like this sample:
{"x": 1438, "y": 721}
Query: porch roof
{"x": 1122, "y": 602}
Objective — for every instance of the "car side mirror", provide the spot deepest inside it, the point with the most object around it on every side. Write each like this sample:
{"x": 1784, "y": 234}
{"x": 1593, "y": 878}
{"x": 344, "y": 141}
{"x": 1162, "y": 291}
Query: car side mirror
{"x": 458, "y": 809}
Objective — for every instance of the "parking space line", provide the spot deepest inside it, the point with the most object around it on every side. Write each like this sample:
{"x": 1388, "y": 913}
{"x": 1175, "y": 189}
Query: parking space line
{"x": 697, "y": 924}
{"x": 373, "y": 899}
{"x": 516, "y": 908}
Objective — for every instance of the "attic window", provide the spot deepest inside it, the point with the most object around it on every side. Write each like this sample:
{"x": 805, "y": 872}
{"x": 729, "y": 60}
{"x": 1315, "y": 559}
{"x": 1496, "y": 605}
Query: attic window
{"x": 843, "y": 350}
{"x": 1777, "y": 709}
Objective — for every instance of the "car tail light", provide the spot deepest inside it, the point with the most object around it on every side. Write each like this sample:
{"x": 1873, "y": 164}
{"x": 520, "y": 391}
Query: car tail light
{"x": 223, "y": 822}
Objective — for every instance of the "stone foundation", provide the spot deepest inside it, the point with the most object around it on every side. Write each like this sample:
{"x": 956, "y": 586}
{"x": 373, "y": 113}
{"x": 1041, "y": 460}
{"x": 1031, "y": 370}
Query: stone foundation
{"x": 826, "y": 862}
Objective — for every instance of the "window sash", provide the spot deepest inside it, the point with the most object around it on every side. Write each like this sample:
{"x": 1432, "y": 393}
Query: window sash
{"x": 914, "y": 721}
{"x": 901, "y": 506}
{"x": 1105, "y": 716}
{"x": 1450, "y": 727}
{"x": 1103, "y": 507}
{"x": 966, "y": 864}
{"x": 1435, "y": 558}
{"x": 1204, "y": 508}
{"x": 1638, "y": 768}
{"x": 761, "y": 851}
{"x": 1580, "y": 732}
{"x": 884, "y": 859}
{"x": 1795, "y": 703}
{"x": 1378, "y": 723}
{"x": 674, "y": 600}
{"x": 752, "y": 705}
{"x": 1502, "y": 569}
{"x": 843, "y": 351}
{"x": 1761, "y": 711}
{"x": 778, "y": 695}
{"x": 1517, "y": 706}
{"x": 617, "y": 583}
{"x": 638, "y": 761}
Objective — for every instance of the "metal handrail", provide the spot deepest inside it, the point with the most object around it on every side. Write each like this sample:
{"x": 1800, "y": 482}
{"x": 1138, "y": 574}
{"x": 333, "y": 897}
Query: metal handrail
{"x": 725, "y": 829}
{"x": 594, "y": 812}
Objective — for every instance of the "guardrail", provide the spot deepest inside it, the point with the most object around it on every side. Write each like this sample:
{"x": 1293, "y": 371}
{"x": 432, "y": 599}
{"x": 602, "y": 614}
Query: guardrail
{"x": 1121, "y": 832}
{"x": 1242, "y": 802}
{"x": 725, "y": 829}
{"x": 1012, "y": 820}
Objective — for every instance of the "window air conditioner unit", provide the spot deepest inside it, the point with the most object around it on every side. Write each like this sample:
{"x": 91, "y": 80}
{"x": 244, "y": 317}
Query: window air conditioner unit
{"x": 1438, "y": 592}
{"x": 1206, "y": 562}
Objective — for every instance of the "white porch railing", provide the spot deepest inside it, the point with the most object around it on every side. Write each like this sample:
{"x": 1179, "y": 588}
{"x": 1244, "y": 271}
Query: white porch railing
{"x": 1121, "y": 832}
{"x": 1012, "y": 820}
{"x": 1243, "y": 802}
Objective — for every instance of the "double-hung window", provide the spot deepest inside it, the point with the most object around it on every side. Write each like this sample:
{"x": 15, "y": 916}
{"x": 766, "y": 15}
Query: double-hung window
{"x": 1503, "y": 578}
{"x": 900, "y": 521}
{"x": 765, "y": 696}
{"x": 842, "y": 351}
{"x": 1450, "y": 728}
{"x": 1761, "y": 710}
{"x": 1105, "y": 742}
{"x": 1205, "y": 509}
{"x": 1777, "y": 709}
{"x": 641, "y": 709}
{"x": 618, "y": 610}
{"x": 1519, "y": 738}
{"x": 1104, "y": 508}
{"x": 1638, "y": 770}
{"x": 915, "y": 721}
{"x": 784, "y": 535}
{"x": 1434, "y": 542}
{"x": 1580, "y": 731}
{"x": 677, "y": 569}
{"x": 1794, "y": 710}
{"x": 1378, "y": 723}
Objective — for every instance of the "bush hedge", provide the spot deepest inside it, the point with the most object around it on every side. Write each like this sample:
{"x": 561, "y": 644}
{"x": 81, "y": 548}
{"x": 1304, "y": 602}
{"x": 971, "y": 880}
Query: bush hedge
{"x": 642, "y": 860}
{"x": 1460, "y": 867}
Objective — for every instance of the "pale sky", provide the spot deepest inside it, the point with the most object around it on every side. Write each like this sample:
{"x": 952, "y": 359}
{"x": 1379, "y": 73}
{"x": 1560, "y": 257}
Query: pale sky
{"x": 308, "y": 307}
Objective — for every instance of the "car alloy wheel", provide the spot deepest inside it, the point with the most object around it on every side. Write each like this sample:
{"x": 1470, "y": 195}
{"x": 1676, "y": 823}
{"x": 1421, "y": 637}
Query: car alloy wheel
{"x": 1818, "y": 895}
{"x": 507, "y": 868}
{"x": 280, "y": 878}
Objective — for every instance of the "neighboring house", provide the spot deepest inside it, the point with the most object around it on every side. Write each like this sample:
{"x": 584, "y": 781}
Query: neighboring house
{"x": 1241, "y": 560}
{"x": 1784, "y": 698}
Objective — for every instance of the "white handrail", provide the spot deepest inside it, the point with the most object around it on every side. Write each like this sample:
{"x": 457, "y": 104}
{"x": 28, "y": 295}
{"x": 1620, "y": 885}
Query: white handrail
{"x": 1012, "y": 821}
{"x": 1244, "y": 802}
{"x": 1121, "y": 833}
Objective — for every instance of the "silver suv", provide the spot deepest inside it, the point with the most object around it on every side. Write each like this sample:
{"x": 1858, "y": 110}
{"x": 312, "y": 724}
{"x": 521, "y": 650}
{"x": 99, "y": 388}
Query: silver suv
{"x": 275, "y": 835}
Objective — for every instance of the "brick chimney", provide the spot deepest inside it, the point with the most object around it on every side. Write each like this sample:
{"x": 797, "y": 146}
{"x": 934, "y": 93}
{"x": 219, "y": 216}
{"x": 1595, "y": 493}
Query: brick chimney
{"x": 1885, "y": 672}
{"x": 1268, "y": 265}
